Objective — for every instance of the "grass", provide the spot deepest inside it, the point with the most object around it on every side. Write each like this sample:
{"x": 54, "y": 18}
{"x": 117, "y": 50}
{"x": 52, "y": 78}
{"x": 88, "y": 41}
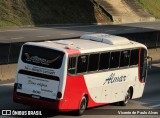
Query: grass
{"x": 38, "y": 12}
{"x": 152, "y": 6}
{"x": 14, "y": 13}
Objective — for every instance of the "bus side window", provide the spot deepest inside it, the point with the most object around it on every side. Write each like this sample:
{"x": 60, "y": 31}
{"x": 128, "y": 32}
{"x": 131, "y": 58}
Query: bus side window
{"x": 114, "y": 60}
{"x": 72, "y": 65}
{"x": 93, "y": 62}
{"x": 82, "y": 64}
{"x": 104, "y": 60}
{"x": 125, "y": 57}
{"x": 134, "y": 57}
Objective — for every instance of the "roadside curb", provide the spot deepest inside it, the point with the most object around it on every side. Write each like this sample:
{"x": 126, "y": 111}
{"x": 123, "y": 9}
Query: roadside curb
{"x": 53, "y": 25}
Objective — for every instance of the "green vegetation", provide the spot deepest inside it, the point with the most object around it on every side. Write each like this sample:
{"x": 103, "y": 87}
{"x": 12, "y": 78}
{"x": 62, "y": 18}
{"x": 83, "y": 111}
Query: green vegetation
{"x": 14, "y": 12}
{"x": 38, "y": 12}
{"x": 152, "y": 6}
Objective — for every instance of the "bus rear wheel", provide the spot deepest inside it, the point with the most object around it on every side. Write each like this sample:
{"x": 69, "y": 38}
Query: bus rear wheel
{"x": 127, "y": 98}
{"x": 82, "y": 106}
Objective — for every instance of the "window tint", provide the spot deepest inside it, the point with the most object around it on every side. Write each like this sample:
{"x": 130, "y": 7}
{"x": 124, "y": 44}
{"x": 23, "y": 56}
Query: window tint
{"x": 82, "y": 63}
{"x": 114, "y": 60}
{"x": 41, "y": 56}
{"x": 104, "y": 61}
{"x": 143, "y": 65}
{"x": 125, "y": 56}
{"x": 72, "y": 65}
{"x": 93, "y": 62}
{"x": 143, "y": 56}
{"x": 134, "y": 57}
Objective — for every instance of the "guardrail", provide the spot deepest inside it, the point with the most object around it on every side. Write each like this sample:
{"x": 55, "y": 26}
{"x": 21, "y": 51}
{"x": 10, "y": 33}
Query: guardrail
{"x": 9, "y": 52}
{"x": 151, "y": 38}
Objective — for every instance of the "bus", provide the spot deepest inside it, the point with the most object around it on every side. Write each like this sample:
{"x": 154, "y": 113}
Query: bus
{"x": 76, "y": 74}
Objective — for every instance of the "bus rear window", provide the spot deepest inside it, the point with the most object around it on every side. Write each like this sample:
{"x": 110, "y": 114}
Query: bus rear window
{"x": 41, "y": 56}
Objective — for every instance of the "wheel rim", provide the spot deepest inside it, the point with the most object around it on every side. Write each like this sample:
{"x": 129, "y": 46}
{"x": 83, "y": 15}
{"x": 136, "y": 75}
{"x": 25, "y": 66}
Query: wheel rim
{"x": 128, "y": 96}
{"x": 83, "y": 105}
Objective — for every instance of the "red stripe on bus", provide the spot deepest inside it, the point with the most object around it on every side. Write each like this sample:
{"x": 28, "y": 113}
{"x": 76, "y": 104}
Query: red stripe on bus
{"x": 75, "y": 89}
{"x": 72, "y": 52}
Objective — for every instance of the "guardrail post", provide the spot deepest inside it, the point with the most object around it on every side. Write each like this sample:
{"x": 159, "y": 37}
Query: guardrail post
{"x": 157, "y": 40}
{"x": 9, "y": 51}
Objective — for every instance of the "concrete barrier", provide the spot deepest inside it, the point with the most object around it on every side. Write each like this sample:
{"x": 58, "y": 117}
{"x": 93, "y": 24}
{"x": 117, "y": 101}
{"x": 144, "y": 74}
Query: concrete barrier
{"x": 7, "y": 72}
{"x": 124, "y": 11}
{"x": 155, "y": 54}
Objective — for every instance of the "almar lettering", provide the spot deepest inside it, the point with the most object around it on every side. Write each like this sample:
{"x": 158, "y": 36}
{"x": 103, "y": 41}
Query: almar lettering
{"x": 112, "y": 79}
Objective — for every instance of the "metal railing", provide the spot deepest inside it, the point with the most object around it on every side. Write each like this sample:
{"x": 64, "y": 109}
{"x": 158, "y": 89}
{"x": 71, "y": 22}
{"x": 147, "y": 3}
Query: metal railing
{"x": 9, "y": 52}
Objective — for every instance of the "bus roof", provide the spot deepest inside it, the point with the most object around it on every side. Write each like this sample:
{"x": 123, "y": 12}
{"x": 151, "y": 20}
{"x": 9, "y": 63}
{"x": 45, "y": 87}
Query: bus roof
{"x": 92, "y": 43}
{"x": 106, "y": 38}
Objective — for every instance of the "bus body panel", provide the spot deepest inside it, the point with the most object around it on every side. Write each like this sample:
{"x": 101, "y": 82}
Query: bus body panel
{"x": 37, "y": 86}
{"x": 60, "y": 74}
{"x": 111, "y": 86}
{"x": 20, "y": 98}
{"x": 101, "y": 87}
{"x": 75, "y": 89}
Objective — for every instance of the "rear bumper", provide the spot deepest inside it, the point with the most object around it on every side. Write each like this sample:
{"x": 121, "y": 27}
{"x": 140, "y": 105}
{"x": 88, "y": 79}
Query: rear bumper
{"x": 56, "y": 104}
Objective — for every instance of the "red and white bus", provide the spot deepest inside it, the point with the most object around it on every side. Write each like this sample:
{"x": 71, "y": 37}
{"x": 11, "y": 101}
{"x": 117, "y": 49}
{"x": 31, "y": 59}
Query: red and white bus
{"x": 76, "y": 74}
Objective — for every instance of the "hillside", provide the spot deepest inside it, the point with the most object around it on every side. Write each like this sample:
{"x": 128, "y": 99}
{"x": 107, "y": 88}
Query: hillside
{"x": 38, "y": 12}
{"x": 152, "y": 6}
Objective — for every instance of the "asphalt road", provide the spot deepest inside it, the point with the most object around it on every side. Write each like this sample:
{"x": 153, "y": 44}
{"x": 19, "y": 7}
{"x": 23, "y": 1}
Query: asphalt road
{"x": 150, "y": 100}
{"x": 58, "y": 32}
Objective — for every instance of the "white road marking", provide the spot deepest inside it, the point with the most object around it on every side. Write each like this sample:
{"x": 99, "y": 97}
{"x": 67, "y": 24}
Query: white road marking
{"x": 67, "y": 34}
{"x": 110, "y": 30}
{"x": 149, "y": 27}
{"x": 17, "y": 38}
{"x": 9, "y": 84}
{"x": 158, "y": 65}
{"x": 76, "y": 26}
{"x": 143, "y": 103}
{"x": 18, "y": 30}
{"x": 44, "y": 36}
{"x": 88, "y": 32}
{"x": 154, "y": 106}
{"x": 130, "y": 29}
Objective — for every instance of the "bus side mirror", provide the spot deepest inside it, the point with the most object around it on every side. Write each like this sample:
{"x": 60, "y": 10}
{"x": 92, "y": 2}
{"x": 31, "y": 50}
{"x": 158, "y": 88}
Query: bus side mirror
{"x": 149, "y": 61}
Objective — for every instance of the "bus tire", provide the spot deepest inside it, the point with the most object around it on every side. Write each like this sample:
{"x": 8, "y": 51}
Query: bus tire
{"x": 82, "y": 106}
{"x": 126, "y": 99}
